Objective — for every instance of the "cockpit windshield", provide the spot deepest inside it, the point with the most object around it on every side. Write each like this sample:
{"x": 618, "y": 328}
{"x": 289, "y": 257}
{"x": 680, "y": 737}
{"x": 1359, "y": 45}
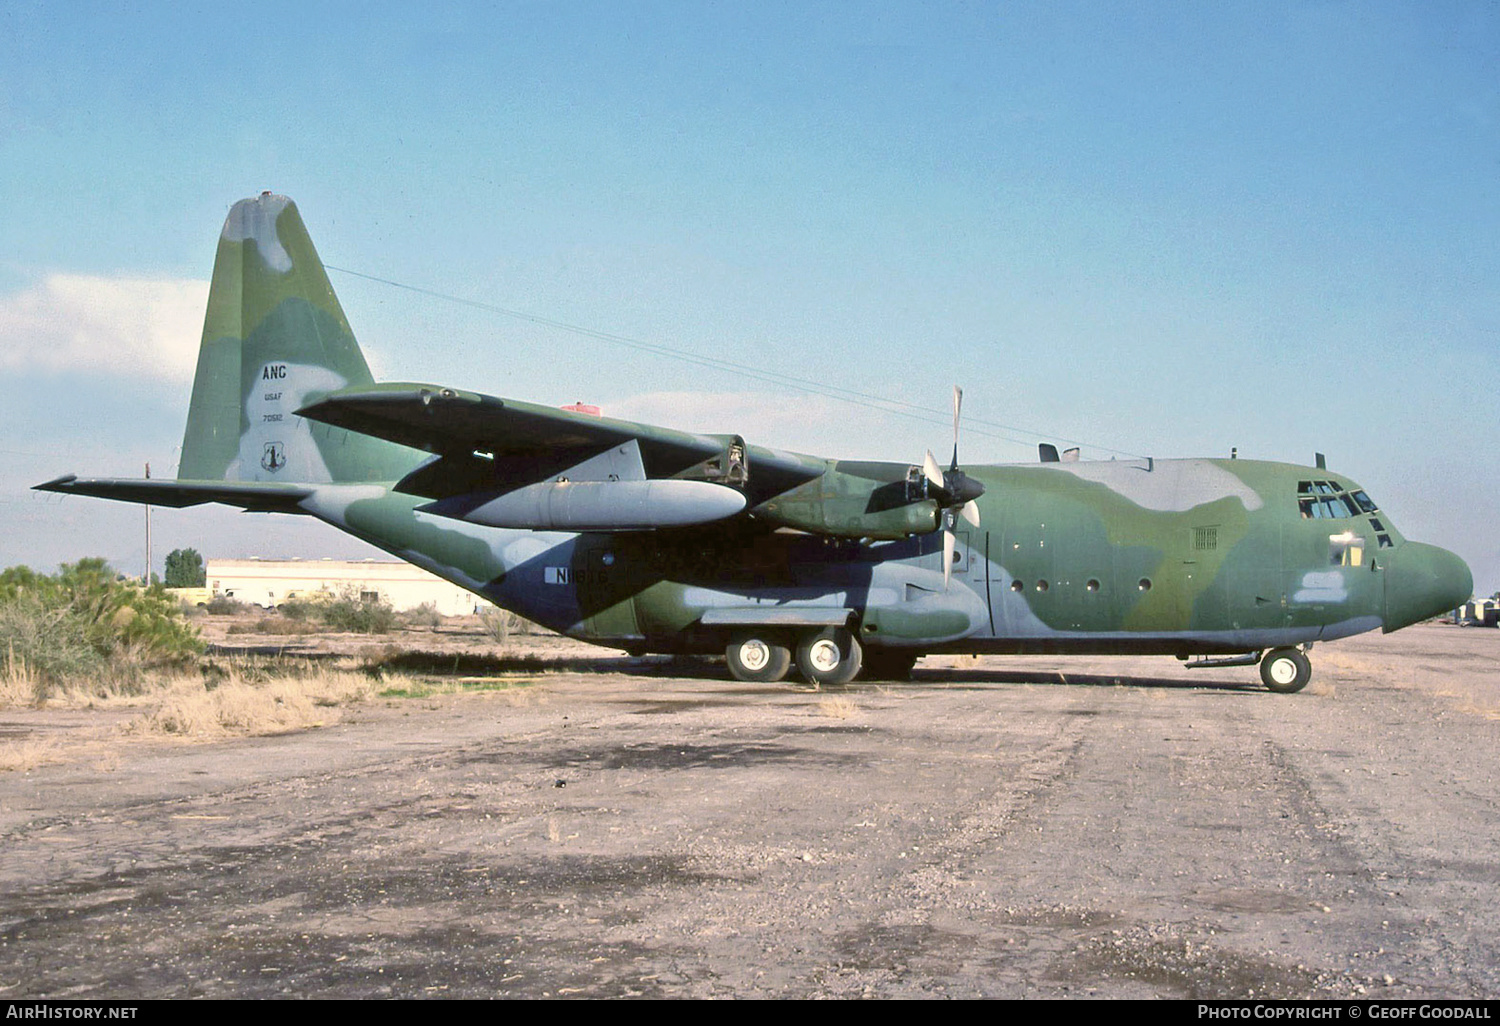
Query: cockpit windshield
{"x": 1333, "y": 500}
{"x": 1329, "y": 500}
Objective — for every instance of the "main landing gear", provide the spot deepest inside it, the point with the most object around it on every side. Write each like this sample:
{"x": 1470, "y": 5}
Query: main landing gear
{"x": 1285, "y": 670}
{"x": 831, "y": 656}
{"x": 757, "y": 659}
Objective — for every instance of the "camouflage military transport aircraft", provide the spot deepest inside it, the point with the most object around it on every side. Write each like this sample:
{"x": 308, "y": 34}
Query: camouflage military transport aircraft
{"x": 653, "y": 540}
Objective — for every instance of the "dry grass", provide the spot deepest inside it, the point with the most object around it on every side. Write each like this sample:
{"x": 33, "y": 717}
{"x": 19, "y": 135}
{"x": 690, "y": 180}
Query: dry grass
{"x": 251, "y": 703}
{"x": 278, "y": 625}
{"x": 215, "y": 698}
{"x": 839, "y": 708}
{"x": 28, "y": 753}
{"x": 19, "y": 685}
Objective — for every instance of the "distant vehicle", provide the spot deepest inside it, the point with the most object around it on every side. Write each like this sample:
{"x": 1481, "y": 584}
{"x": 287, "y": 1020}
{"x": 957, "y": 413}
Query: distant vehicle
{"x": 1478, "y": 613}
{"x": 654, "y": 540}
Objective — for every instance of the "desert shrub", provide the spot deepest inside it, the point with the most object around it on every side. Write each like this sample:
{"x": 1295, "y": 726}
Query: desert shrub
{"x": 223, "y": 605}
{"x": 425, "y": 615}
{"x": 499, "y": 624}
{"x": 299, "y": 609}
{"x": 83, "y": 623}
{"x": 350, "y": 613}
{"x": 47, "y": 646}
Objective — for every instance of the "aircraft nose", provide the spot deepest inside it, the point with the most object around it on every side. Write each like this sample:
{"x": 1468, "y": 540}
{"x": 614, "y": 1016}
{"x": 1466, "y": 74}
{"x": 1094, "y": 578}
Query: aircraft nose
{"x": 1424, "y": 581}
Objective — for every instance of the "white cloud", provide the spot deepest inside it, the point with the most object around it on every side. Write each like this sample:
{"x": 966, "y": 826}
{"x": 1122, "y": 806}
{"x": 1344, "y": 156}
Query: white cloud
{"x": 140, "y": 327}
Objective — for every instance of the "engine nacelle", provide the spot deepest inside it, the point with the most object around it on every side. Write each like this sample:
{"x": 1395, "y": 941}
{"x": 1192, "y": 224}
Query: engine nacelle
{"x": 855, "y": 499}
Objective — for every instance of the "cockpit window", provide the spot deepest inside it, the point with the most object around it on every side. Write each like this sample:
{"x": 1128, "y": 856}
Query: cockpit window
{"x": 1327, "y": 500}
{"x": 1347, "y": 549}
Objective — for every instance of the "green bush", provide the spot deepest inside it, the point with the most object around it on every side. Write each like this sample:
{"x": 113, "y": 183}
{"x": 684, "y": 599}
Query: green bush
{"x": 74, "y": 624}
{"x": 223, "y": 605}
{"x": 350, "y": 613}
{"x": 300, "y": 610}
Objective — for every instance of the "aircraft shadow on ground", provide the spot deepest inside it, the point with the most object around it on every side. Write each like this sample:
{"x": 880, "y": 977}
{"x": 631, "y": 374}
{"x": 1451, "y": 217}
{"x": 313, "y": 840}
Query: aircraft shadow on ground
{"x": 689, "y": 666}
{"x": 471, "y": 664}
{"x": 985, "y": 678}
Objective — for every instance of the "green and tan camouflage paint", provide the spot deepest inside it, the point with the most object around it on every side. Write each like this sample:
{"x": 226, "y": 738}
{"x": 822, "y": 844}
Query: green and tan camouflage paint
{"x": 1171, "y": 556}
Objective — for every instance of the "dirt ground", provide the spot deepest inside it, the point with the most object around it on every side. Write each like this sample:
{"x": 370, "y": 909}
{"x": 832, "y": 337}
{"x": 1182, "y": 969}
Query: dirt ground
{"x": 1006, "y": 827}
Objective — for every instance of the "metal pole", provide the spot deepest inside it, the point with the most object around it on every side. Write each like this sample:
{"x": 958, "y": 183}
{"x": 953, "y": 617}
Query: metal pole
{"x": 148, "y": 533}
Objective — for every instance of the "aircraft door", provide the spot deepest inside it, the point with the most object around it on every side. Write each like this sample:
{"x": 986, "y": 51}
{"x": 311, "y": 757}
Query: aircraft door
{"x": 1257, "y": 586}
{"x": 605, "y": 596}
{"x": 969, "y": 563}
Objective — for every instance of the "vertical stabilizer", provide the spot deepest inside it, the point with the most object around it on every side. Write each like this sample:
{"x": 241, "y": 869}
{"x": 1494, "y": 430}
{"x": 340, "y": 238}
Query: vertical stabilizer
{"x": 275, "y": 339}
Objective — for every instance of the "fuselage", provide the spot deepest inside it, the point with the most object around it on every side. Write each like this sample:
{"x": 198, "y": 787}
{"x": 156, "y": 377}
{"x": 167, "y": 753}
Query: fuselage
{"x": 1158, "y": 556}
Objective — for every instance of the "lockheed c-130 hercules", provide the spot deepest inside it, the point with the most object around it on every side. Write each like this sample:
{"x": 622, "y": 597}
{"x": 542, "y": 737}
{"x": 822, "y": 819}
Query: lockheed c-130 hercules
{"x": 652, "y": 540}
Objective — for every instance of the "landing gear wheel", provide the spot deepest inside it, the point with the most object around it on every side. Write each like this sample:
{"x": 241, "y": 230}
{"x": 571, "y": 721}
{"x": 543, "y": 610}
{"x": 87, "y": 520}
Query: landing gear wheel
{"x": 1285, "y": 670}
{"x": 829, "y": 657}
{"x": 888, "y": 665}
{"x": 757, "y": 660}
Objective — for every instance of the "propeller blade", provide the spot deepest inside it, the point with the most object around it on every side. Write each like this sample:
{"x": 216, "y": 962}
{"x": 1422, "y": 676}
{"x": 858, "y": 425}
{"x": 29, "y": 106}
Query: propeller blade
{"x": 948, "y": 543}
{"x": 958, "y": 401}
{"x": 970, "y": 512}
{"x": 931, "y": 469}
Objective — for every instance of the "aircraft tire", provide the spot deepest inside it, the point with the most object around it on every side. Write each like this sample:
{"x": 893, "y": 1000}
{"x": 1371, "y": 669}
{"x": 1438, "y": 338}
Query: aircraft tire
{"x": 888, "y": 665}
{"x": 829, "y": 657}
{"x": 757, "y": 660}
{"x": 1285, "y": 670}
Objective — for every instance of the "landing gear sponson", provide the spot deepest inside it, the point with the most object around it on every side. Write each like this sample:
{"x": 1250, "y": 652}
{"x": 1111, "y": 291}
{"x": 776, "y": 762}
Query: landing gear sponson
{"x": 825, "y": 653}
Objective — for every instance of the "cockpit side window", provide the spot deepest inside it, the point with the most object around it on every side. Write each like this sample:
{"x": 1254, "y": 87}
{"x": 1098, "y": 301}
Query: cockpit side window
{"x": 1347, "y": 549}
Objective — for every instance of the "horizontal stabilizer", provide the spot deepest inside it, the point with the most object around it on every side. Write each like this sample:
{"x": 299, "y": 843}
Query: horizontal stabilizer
{"x": 252, "y": 496}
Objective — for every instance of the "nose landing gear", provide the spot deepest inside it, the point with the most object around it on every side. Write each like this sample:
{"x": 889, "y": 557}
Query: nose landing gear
{"x": 1285, "y": 670}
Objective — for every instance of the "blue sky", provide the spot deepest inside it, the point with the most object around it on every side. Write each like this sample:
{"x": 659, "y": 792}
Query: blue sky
{"x": 1155, "y": 228}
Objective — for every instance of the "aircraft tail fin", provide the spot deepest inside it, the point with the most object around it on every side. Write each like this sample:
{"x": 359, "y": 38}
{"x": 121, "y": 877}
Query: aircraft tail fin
{"x": 274, "y": 340}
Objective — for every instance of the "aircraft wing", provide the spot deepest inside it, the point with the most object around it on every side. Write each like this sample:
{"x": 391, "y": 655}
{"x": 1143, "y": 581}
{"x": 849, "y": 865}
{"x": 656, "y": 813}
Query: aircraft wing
{"x": 252, "y": 496}
{"x": 487, "y": 444}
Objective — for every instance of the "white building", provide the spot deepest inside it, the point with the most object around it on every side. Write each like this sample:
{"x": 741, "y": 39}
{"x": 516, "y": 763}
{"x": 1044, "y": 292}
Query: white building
{"x": 270, "y": 582}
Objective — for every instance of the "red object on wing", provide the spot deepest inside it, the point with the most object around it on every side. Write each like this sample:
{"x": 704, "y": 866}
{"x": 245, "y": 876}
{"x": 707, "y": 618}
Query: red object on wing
{"x": 592, "y": 411}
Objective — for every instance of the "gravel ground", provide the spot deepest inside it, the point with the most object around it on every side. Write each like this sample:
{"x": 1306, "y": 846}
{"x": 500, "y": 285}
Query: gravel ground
{"x": 1005, "y": 827}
